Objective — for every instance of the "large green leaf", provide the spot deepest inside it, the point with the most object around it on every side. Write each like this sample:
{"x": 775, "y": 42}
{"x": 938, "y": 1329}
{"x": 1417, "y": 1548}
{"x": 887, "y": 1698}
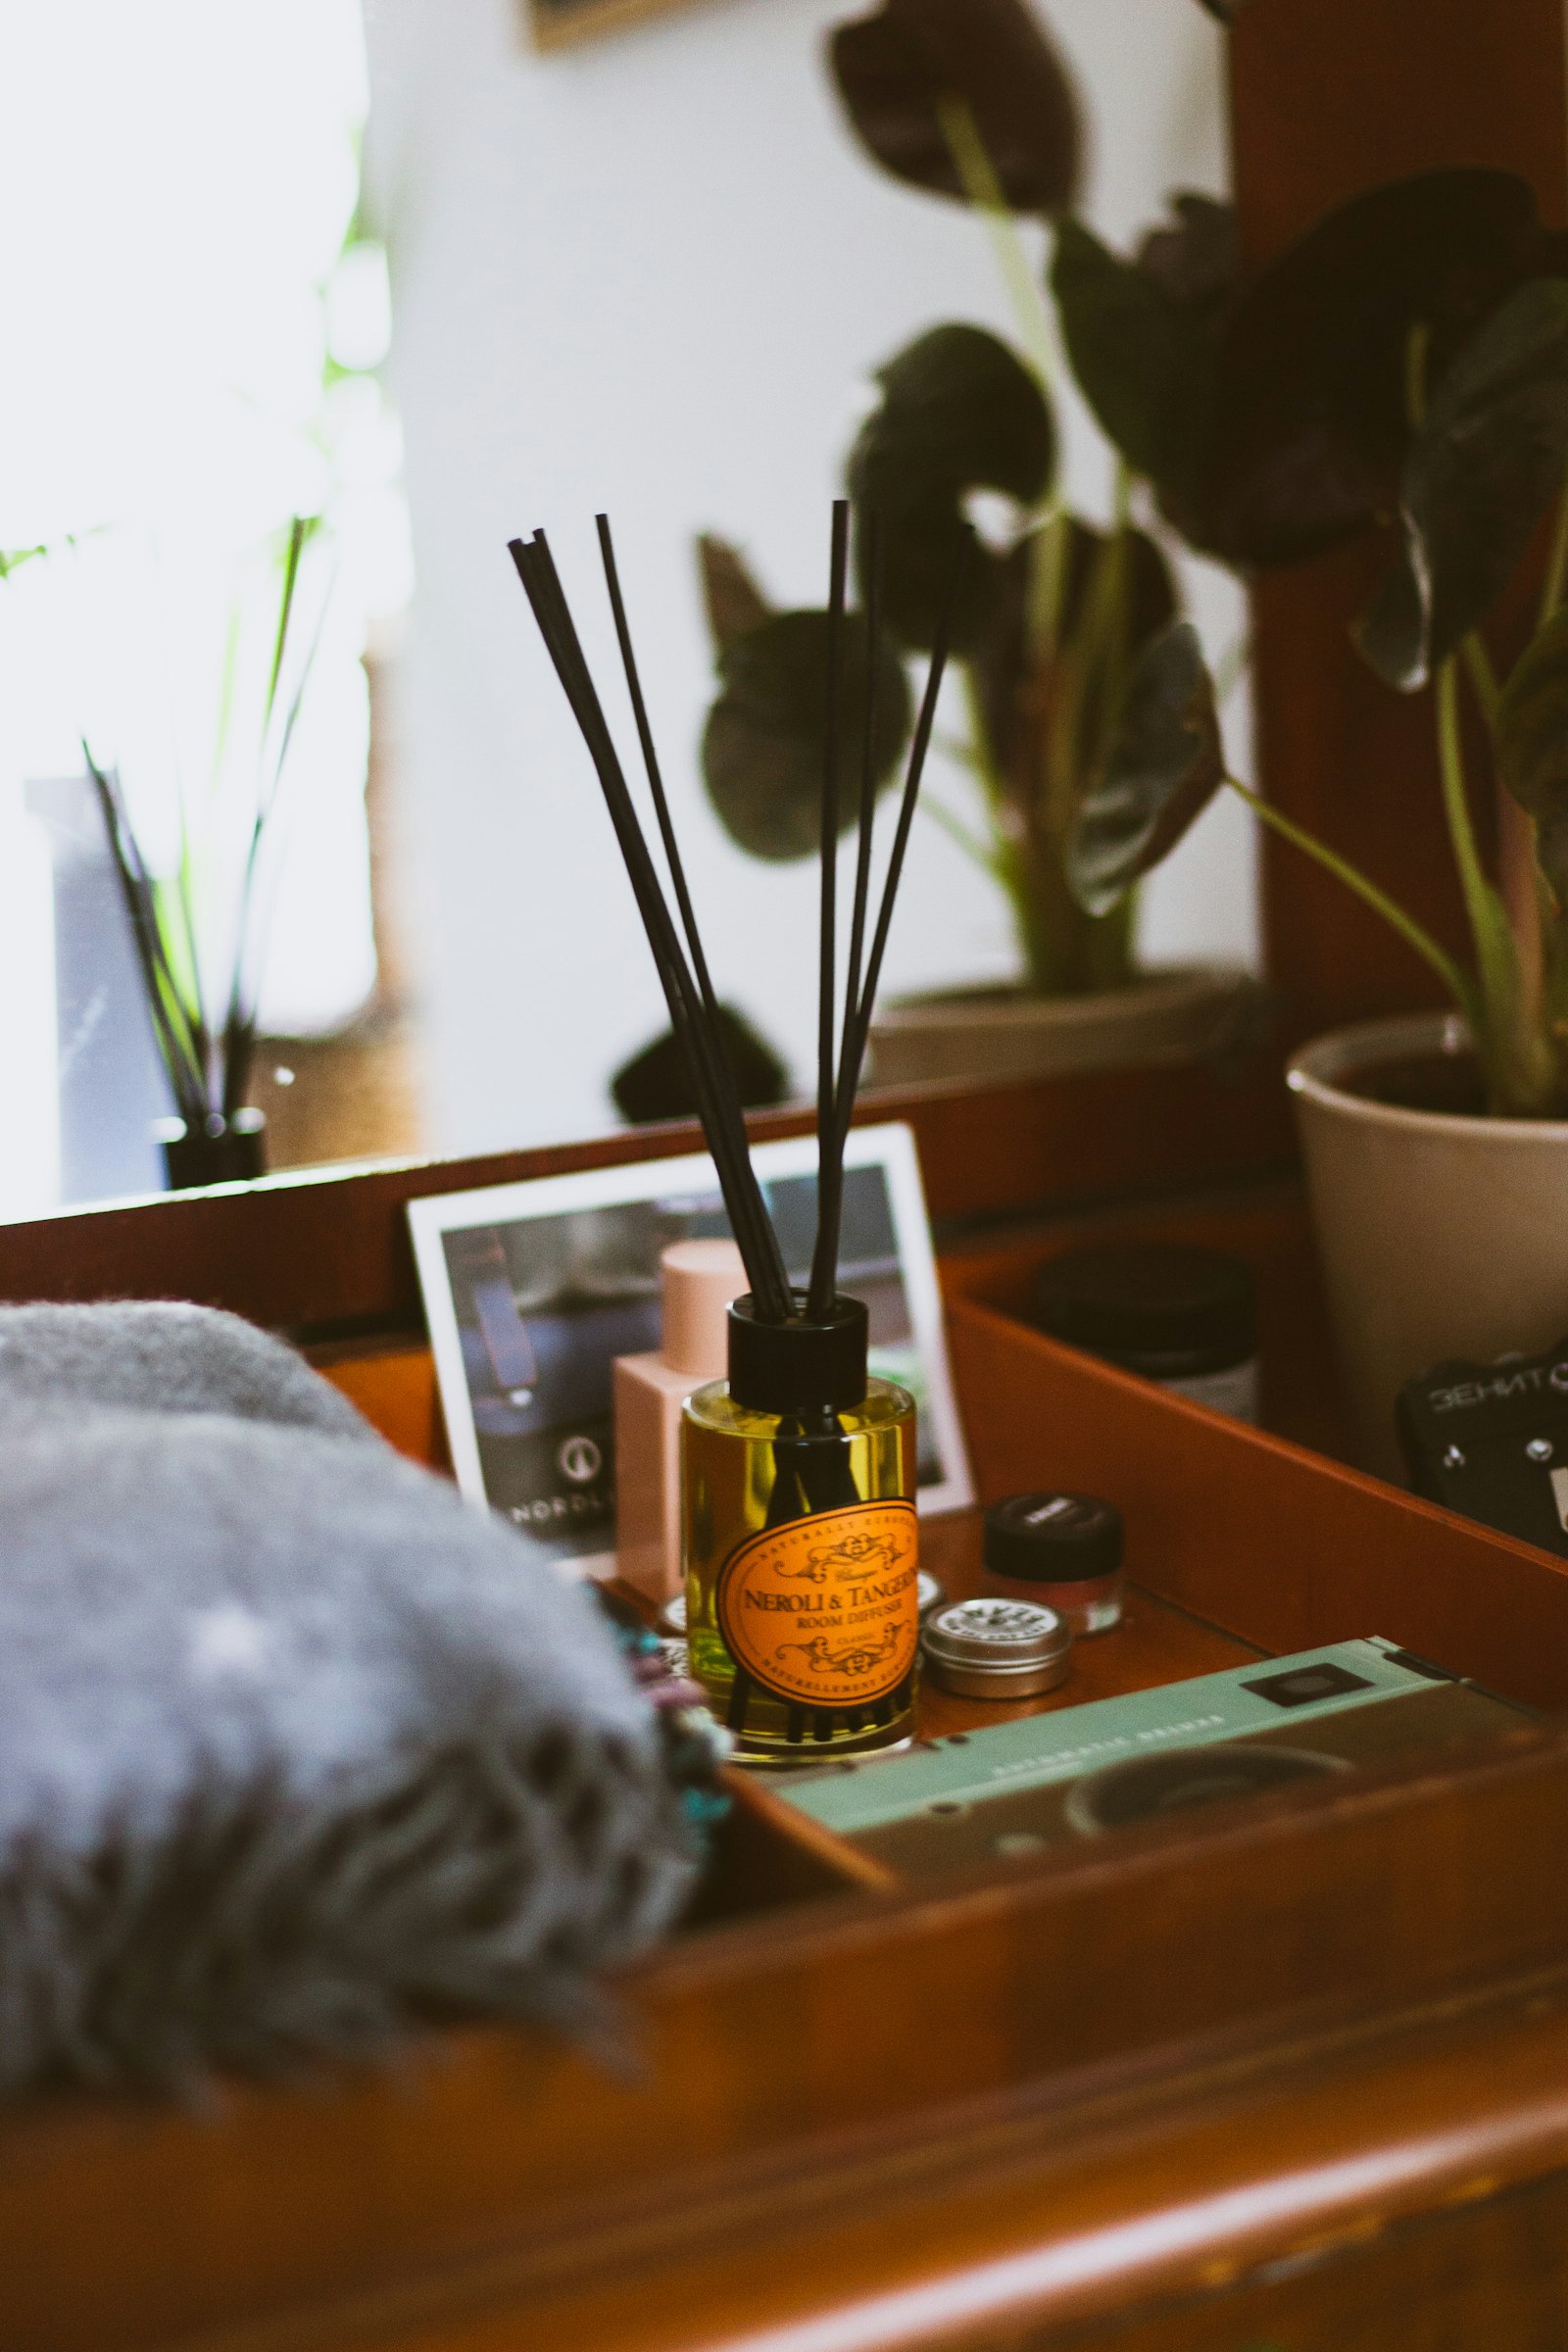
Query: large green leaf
{"x": 1308, "y": 427}
{"x": 1481, "y": 470}
{"x": 894, "y": 69}
{"x": 1531, "y": 746}
{"x": 1164, "y": 766}
{"x": 764, "y": 742}
{"x": 1140, "y": 335}
{"x": 958, "y": 413}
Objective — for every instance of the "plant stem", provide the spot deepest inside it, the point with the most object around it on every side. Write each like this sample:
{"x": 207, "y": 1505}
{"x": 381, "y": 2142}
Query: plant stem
{"x": 987, "y": 854}
{"x": 1417, "y": 342}
{"x": 1556, "y": 563}
{"x": 1459, "y": 983}
{"x": 1489, "y": 923}
{"x": 981, "y": 186}
{"x": 1483, "y": 678}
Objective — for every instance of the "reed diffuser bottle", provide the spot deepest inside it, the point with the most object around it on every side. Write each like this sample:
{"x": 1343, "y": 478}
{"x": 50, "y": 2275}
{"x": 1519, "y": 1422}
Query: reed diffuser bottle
{"x": 801, "y": 1539}
{"x": 798, "y": 1529}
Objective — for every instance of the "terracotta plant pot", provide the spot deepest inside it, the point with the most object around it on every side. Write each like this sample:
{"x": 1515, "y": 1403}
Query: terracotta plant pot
{"x": 1441, "y": 1235}
{"x": 1178, "y": 1014}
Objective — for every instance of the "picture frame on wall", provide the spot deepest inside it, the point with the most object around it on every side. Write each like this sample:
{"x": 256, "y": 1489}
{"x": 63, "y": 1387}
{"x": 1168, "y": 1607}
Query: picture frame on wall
{"x": 567, "y": 24}
{"x": 532, "y": 1290}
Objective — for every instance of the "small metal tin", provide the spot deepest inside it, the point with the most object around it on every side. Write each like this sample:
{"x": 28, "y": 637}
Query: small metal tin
{"x": 996, "y": 1648}
{"x": 932, "y": 1595}
{"x": 672, "y": 1617}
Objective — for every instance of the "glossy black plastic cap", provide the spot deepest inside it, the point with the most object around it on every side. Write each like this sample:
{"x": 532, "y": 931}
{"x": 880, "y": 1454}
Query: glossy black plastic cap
{"x": 802, "y": 1366}
{"x": 1053, "y": 1538}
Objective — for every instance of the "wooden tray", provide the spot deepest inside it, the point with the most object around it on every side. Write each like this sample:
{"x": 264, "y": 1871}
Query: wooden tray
{"x": 1248, "y": 2056}
{"x": 821, "y": 2060}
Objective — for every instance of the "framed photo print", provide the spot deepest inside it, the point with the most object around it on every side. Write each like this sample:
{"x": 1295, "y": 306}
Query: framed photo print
{"x": 532, "y": 1290}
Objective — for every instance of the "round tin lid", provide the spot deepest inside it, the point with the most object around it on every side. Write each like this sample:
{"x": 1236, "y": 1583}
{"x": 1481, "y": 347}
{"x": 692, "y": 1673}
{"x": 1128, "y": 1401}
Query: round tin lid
{"x": 930, "y": 1593}
{"x": 1003, "y": 1638}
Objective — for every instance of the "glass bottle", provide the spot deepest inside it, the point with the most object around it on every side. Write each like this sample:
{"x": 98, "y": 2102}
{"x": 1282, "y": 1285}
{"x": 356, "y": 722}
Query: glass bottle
{"x": 800, "y": 1543}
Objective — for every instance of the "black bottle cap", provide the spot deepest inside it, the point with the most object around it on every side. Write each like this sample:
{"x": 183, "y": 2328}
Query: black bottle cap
{"x": 1053, "y": 1538}
{"x": 800, "y": 1366}
{"x": 1164, "y": 1311}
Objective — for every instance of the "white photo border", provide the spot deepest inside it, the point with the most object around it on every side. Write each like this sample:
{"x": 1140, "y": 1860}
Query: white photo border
{"x": 890, "y": 1147}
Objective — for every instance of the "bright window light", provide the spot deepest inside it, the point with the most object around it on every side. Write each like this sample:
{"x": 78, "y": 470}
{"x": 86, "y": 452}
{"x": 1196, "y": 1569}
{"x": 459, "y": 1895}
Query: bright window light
{"x": 190, "y": 319}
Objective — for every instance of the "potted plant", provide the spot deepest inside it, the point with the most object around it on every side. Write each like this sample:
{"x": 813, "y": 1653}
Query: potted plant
{"x": 969, "y": 100}
{"x": 200, "y": 935}
{"x": 1403, "y": 367}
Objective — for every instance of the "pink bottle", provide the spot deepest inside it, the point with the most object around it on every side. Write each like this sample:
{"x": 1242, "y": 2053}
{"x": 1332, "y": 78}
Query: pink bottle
{"x": 699, "y": 1280}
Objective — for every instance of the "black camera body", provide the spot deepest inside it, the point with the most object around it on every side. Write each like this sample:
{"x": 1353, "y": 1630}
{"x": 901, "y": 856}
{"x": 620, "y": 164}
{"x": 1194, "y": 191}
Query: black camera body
{"x": 1491, "y": 1441}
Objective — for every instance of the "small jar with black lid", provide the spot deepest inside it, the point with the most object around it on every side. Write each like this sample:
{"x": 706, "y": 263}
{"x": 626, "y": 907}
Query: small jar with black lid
{"x": 1062, "y": 1552}
{"x": 1183, "y": 1317}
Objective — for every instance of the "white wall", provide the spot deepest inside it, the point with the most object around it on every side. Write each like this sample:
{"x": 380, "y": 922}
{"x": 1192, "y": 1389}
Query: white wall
{"x": 651, "y": 276}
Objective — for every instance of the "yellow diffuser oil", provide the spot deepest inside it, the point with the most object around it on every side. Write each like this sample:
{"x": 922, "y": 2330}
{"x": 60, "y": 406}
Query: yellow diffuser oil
{"x": 800, "y": 1541}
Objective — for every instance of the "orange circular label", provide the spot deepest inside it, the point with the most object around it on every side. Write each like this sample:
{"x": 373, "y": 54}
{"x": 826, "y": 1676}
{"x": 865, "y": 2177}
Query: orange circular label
{"x": 825, "y": 1610}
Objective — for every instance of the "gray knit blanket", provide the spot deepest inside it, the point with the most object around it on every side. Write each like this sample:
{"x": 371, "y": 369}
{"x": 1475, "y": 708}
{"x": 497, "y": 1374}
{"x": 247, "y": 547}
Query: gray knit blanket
{"x": 297, "y": 1750}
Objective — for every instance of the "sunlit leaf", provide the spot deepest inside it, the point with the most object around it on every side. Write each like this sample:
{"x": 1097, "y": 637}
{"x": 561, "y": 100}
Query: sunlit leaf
{"x": 958, "y": 413}
{"x": 1309, "y": 423}
{"x": 894, "y": 69}
{"x": 1531, "y": 746}
{"x": 1164, "y": 766}
{"x": 764, "y": 742}
{"x": 731, "y": 597}
{"x": 1481, "y": 470}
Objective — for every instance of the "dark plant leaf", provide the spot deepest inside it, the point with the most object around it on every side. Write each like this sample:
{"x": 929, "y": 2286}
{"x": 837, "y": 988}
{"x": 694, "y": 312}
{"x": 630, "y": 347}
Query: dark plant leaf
{"x": 1196, "y": 255}
{"x": 657, "y": 1084}
{"x": 762, "y": 745}
{"x": 731, "y": 597}
{"x": 1481, "y": 470}
{"x": 892, "y": 69}
{"x": 1164, "y": 768}
{"x": 1011, "y": 688}
{"x": 958, "y": 413}
{"x": 1531, "y": 746}
{"x": 1141, "y": 336}
{"x": 1308, "y": 425}
{"x": 1227, "y": 11}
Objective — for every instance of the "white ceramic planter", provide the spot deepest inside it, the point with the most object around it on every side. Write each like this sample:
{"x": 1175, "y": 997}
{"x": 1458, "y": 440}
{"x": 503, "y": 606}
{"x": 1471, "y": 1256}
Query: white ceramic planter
{"x": 1178, "y": 1014}
{"x": 1441, "y": 1236}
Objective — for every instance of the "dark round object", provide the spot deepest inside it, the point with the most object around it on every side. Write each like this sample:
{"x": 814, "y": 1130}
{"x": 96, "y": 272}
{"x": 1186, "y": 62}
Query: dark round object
{"x": 1184, "y": 1778}
{"x": 229, "y": 1151}
{"x": 1053, "y": 1538}
{"x": 1165, "y": 1313}
{"x": 657, "y": 1084}
{"x": 799, "y": 1368}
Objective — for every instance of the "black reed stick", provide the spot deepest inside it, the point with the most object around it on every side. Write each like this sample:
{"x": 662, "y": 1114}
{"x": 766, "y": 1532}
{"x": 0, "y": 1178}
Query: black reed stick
{"x": 728, "y": 1096}
{"x": 871, "y": 526}
{"x": 743, "y": 1200}
{"x": 688, "y": 987}
{"x": 831, "y": 1196}
{"x": 819, "y": 1297}
{"x": 919, "y": 749}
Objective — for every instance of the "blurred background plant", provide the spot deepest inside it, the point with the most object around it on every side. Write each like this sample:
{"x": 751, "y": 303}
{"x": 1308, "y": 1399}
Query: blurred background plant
{"x": 1401, "y": 369}
{"x": 200, "y": 933}
{"x": 969, "y": 100}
